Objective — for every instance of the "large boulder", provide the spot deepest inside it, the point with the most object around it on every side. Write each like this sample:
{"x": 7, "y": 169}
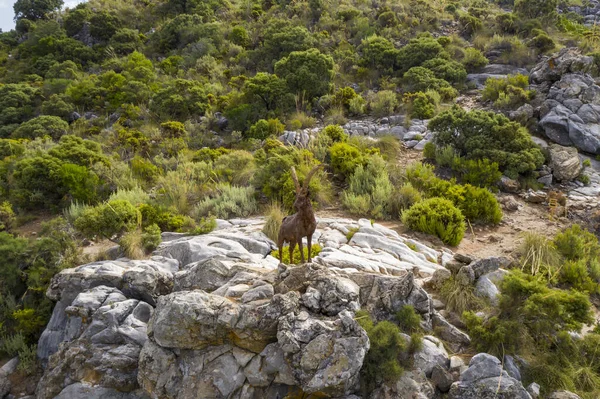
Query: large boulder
{"x": 325, "y": 356}
{"x": 103, "y": 336}
{"x": 571, "y": 112}
{"x": 486, "y": 379}
{"x": 430, "y": 355}
{"x": 565, "y": 162}
{"x": 196, "y": 320}
{"x": 138, "y": 279}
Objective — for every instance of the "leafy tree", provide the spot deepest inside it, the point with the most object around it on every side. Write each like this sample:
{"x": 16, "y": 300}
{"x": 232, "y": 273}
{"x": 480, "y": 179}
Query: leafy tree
{"x": 35, "y": 9}
{"x": 481, "y": 134}
{"x": 180, "y": 99}
{"x": 536, "y": 8}
{"x": 423, "y": 79}
{"x": 268, "y": 90}
{"x": 125, "y": 41}
{"x": 73, "y": 149}
{"x": 282, "y": 38}
{"x": 80, "y": 182}
{"x": 17, "y": 103}
{"x": 76, "y": 18}
{"x": 57, "y": 106}
{"x": 378, "y": 52}
{"x": 308, "y": 72}
{"x": 419, "y": 50}
{"x": 36, "y": 182}
{"x": 41, "y": 126}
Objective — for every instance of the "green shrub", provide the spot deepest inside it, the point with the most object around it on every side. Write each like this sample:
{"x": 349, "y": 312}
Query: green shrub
{"x": 429, "y": 151}
{"x": 227, "y": 202}
{"x": 469, "y": 24}
{"x": 481, "y": 135}
{"x": 451, "y": 71}
{"x": 335, "y": 133}
{"x": 408, "y": 319}
{"x": 41, "y": 126}
{"x": 423, "y": 79}
{"x": 345, "y": 158}
{"x": 351, "y": 233}
{"x": 507, "y": 93}
{"x": 263, "y": 129}
{"x": 480, "y": 172}
{"x": 403, "y": 198}
{"x": 275, "y": 215}
{"x": 420, "y": 105}
{"x": 204, "y": 226}
{"x": 575, "y": 243}
{"x": 11, "y": 345}
{"x": 383, "y": 103}
{"x": 151, "y": 238}
{"x": 418, "y": 51}
{"x": 108, "y": 220}
{"x": 7, "y": 216}
{"x": 439, "y": 217}
{"x": 476, "y": 204}
{"x": 381, "y": 362}
{"x": 473, "y": 59}
{"x": 209, "y": 154}
{"x": 575, "y": 274}
{"x": 315, "y": 250}
{"x": 369, "y": 190}
{"x": 235, "y": 167}
{"x": 167, "y": 219}
{"x": 135, "y": 196}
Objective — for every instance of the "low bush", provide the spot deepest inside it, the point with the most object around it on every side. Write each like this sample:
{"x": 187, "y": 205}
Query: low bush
{"x": 265, "y": 128}
{"x": 204, "y": 226}
{"x": 403, "y": 198}
{"x": 109, "y": 220}
{"x": 408, "y": 319}
{"x": 421, "y": 105}
{"x": 335, "y": 133}
{"x": 345, "y": 158}
{"x": 459, "y": 298}
{"x": 275, "y": 215}
{"x": 439, "y": 217}
{"x": 488, "y": 135}
{"x": 228, "y": 202}
{"x": 315, "y": 250}
{"x": 381, "y": 364}
{"x": 473, "y": 59}
{"x": 369, "y": 190}
{"x": 383, "y": 103}
{"x": 507, "y": 93}
{"x": 7, "y": 217}
{"x": 151, "y": 238}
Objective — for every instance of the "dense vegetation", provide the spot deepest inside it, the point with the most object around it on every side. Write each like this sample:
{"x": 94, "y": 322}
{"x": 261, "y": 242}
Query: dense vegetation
{"x": 121, "y": 119}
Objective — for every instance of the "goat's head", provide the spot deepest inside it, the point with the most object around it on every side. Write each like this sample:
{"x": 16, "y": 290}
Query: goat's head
{"x": 302, "y": 192}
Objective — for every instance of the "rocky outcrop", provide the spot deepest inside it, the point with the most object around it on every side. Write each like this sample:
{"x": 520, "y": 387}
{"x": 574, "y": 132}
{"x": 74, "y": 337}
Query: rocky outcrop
{"x": 217, "y": 316}
{"x": 494, "y": 71}
{"x": 103, "y": 336}
{"x": 144, "y": 280}
{"x": 568, "y": 100}
{"x": 486, "y": 379}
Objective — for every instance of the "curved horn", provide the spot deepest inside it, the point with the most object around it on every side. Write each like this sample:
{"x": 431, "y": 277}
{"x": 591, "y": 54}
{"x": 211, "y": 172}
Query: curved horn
{"x": 295, "y": 179}
{"x": 309, "y": 176}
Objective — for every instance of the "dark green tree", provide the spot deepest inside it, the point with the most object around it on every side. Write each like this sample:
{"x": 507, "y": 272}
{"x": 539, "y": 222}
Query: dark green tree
{"x": 307, "y": 72}
{"x": 35, "y": 9}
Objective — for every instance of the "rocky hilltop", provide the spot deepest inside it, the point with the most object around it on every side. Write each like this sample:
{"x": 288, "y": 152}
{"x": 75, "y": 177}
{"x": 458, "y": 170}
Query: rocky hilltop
{"x": 216, "y": 316}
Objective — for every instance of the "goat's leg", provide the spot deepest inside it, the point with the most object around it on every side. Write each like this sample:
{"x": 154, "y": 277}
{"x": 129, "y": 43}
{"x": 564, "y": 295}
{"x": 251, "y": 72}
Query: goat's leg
{"x": 301, "y": 246}
{"x": 309, "y": 245}
{"x": 292, "y": 247}
{"x": 280, "y": 246}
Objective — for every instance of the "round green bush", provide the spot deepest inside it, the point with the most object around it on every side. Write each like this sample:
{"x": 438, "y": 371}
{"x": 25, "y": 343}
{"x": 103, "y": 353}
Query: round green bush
{"x": 437, "y": 216}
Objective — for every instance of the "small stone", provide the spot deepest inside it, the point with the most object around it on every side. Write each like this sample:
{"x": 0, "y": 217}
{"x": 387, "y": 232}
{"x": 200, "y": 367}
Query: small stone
{"x": 465, "y": 276}
{"x": 534, "y": 390}
{"x": 441, "y": 378}
{"x": 464, "y": 258}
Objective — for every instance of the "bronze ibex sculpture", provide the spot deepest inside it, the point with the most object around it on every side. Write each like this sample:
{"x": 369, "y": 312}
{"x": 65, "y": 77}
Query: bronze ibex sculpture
{"x": 301, "y": 224}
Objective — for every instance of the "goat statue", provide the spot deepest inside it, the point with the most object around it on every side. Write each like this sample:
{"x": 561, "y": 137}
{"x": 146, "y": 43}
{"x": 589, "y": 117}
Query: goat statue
{"x": 301, "y": 224}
